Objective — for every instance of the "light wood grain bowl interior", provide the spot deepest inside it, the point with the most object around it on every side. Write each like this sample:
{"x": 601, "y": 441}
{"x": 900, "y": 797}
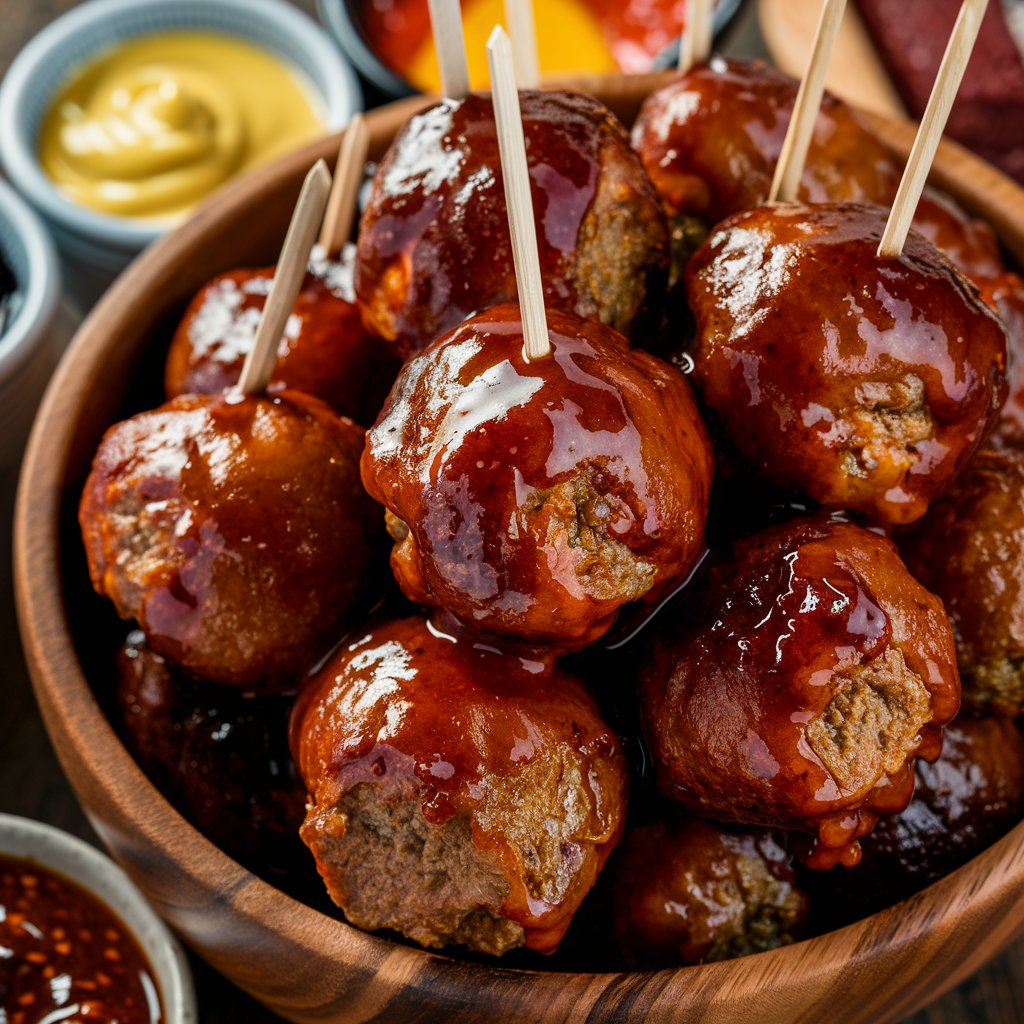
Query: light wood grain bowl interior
{"x": 310, "y": 967}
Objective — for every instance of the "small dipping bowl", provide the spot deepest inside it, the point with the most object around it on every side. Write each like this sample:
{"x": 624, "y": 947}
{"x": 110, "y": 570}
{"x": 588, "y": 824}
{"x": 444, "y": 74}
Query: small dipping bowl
{"x": 35, "y": 334}
{"x": 97, "y": 246}
{"x": 345, "y": 21}
{"x": 82, "y": 864}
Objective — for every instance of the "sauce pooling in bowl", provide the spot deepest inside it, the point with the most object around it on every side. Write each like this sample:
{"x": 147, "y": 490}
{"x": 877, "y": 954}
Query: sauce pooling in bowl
{"x": 65, "y": 955}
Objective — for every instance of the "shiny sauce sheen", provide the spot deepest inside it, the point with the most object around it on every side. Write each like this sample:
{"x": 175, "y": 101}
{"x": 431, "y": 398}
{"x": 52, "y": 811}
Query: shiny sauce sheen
{"x": 447, "y": 159}
{"x": 64, "y": 955}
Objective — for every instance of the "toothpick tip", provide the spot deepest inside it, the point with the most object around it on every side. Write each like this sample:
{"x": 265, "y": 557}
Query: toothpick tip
{"x": 497, "y": 35}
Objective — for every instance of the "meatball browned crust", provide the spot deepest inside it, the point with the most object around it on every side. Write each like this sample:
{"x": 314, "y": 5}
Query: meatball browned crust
{"x": 969, "y": 550}
{"x": 866, "y": 383}
{"x": 234, "y": 530}
{"x": 434, "y": 243}
{"x": 457, "y": 795}
{"x": 688, "y": 891}
{"x": 325, "y": 350}
{"x": 797, "y": 686}
{"x": 536, "y": 498}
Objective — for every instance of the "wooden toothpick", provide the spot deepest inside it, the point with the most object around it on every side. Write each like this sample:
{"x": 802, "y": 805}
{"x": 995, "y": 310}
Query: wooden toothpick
{"x": 512, "y": 147}
{"x": 450, "y": 43}
{"x": 951, "y": 72}
{"x": 808, "y": 102}
{"x": 288, "y": 276}
{"x": 687, "y": 40}
{"x": 703, "y": 31}
{"x": 348, "y": 176}
{"x": 523, "y": 32}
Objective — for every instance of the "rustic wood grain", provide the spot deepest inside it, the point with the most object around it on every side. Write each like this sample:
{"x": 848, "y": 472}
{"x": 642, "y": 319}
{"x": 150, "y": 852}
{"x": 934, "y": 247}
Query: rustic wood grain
{"x": 311, "y": 968}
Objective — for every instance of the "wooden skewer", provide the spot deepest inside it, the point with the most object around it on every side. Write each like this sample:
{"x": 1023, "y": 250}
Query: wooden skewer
{"x": 951, "y": 72}
{"x": 291, "y": 269}
{"x": 703, "y": 30}
{"x": 348, "y": 176}
{"x": 450, "y": 43}
{"x": 808, "y": 102}
{"x": 687, "y": 39}
{"x": 516, "y": 174}
{"x": 523, "y": 32}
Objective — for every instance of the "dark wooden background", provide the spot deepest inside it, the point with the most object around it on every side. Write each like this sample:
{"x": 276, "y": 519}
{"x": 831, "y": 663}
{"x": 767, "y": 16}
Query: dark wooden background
{"x": 31, "y": 782}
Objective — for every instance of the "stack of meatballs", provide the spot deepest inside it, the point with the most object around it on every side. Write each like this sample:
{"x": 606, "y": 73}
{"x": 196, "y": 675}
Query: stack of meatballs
{"x": 710, "y": 622}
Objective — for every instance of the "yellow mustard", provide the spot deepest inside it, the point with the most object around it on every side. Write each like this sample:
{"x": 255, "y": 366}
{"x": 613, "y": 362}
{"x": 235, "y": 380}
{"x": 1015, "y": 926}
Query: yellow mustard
{"x": 150, "y": 127}
{"x": 569, "y": 37}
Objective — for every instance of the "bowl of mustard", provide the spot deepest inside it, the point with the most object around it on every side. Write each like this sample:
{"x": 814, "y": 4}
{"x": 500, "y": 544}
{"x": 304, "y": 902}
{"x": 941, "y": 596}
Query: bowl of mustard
{"x": 123, "y": 116}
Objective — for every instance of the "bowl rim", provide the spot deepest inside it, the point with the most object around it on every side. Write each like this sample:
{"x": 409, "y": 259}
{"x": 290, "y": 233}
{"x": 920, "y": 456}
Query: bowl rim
{"x": 40, "y": 292}
{"x": 341, "y": 95}
{"x": 77, "y": 861}
{"x": 987, "y": 888}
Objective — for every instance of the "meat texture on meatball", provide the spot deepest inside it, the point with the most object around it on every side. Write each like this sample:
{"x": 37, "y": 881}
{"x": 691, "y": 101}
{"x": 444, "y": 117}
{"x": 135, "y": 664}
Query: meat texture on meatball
{"x": 434, "y": 244}
{"x": 969, "y": 550}
{"x": 219, "y": 754}
{"x": 866, "y": 383}
{"x": 689, "y": 891}
{"x": 234, "y": 530}
{"x": 325, "y": 350}
{"x": 970, "y": 797}
{"x": 534, "y": 498}
{"x": 796, "y": 687}
{"x": 457, "y": 794}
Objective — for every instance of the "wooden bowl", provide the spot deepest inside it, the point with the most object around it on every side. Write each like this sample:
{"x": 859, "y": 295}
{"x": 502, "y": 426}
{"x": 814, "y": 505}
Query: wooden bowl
{"x": 303, "y": 964}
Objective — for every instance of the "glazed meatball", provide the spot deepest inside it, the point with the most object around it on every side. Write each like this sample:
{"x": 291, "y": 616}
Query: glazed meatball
{"x": 864, "y": 383}
{"x": 1005, "y": 294}
{"x": 219, "y": 754}
{"x": 969, "y": 550}
{"x": 434, "y": 243}
{"x": 797, "y": 685}
{"x": 325, "y": 351}
{"x": 534, "y": 499}
{"x": 457, "y": 794}
{"x": 689, "y": 891}
{"x": 711, "y": 138}
{"x": 970, "y": 797}
{"x": 234, "y": 530}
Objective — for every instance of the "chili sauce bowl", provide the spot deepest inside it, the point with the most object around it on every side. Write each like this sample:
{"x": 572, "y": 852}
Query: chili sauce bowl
{"x": 76, "y": 861}
{"x": 96, "y": 246}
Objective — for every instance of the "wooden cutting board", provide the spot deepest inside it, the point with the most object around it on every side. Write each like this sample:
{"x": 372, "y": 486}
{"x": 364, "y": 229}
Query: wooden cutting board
{"x": 855, "y": 72}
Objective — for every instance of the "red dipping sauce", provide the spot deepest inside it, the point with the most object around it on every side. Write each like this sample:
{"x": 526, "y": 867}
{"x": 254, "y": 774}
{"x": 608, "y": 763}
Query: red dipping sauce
{"x": 65, "y": 956}
{"x": 629, "y": 33}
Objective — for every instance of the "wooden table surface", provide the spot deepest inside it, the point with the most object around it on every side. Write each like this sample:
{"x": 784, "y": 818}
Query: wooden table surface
{"x": 31, "y": 781}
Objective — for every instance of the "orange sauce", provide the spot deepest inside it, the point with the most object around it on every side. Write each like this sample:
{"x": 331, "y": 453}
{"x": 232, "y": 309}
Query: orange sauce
{"x": 572, "y": 35}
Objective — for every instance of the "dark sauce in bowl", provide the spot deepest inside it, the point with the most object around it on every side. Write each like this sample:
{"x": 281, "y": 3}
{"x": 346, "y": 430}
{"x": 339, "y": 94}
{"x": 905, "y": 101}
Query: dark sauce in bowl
{"x": 64, "y": 955}
{"x": 8, "y": 296}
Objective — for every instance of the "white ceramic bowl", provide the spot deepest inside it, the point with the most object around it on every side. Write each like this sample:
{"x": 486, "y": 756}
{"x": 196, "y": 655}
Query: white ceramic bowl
{"x": 86, "y": 866}
{"x": 97, "y": 245}
{"x": 32, "y": 343}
